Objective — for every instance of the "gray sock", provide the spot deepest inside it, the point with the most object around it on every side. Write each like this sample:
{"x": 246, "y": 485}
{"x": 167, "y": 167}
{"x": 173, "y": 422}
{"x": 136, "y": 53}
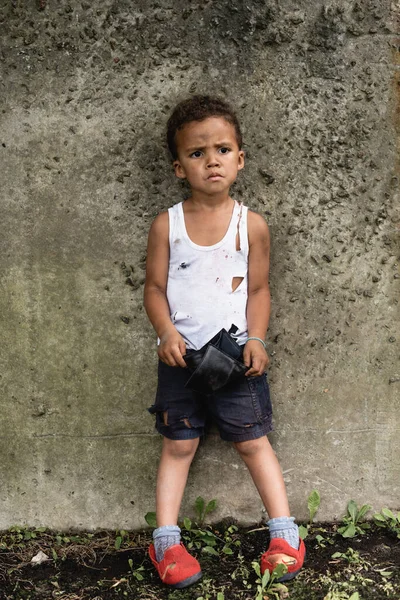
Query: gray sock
{"x": 164, "y": 537}
{"x": 285, "y": 528}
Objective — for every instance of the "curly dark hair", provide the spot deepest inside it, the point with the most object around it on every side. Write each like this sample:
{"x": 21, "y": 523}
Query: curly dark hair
{"x": 198, "y": 108}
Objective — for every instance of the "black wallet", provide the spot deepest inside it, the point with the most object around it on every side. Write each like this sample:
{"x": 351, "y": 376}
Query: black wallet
{"x": 216, "y": 364}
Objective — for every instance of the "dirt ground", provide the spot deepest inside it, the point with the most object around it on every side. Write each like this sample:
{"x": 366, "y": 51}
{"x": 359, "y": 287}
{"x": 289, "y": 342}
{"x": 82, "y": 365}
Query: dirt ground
{"x": 111, "y": 565}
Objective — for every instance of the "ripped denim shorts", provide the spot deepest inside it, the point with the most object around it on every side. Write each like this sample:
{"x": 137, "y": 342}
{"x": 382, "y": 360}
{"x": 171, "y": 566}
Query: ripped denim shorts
{"x": 241, "y": 410}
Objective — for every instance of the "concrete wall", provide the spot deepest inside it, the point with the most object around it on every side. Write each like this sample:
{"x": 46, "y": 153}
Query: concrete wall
{"x": 86, "y": 88}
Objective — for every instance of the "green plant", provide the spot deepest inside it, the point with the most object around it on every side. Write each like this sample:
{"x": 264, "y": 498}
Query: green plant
{"x": 137, "y": 573}
{"x": 342, "y": 596}
{"x": 202, "y": 509}
{"x": 386, "y": 518}
{"x": 121, "y": 535}
{"x": 352, "y": 521}
{"x": 195, "y": 537}
{"x": 323, "y": 541}
{"x": 313, "y": 502}
{"x": 351, "y": 556}
{"x": 201, "y": 537}
{"x": 267, "y": 586}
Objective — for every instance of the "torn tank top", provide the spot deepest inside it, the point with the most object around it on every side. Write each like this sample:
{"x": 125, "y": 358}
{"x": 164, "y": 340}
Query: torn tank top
{"x": 200, "y": 280}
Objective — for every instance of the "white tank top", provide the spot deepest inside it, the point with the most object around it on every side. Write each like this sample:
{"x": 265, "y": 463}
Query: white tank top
{"x": 199, "y": 288}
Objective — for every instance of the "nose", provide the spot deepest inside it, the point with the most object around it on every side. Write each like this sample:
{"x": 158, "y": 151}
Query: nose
{"x": 212, "y": 160}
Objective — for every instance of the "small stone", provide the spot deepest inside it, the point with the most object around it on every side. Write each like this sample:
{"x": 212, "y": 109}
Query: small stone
{"x": 126, "y": 320}
{"x": 392, "y": 339}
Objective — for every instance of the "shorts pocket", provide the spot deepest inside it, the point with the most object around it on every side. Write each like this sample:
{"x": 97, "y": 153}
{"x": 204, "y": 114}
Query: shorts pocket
{"x": 261, "y": 399}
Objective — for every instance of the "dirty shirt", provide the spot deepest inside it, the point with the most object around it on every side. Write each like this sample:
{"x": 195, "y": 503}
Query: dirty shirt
{"x": 200, "y": 280}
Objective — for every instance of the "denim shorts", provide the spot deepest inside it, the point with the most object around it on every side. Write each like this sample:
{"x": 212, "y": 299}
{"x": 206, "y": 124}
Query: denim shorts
{"x": 241, "y": 410}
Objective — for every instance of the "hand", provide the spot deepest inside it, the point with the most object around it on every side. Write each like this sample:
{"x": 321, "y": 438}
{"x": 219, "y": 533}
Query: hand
{"x": 171, "y": 349}
{"x": 255, "y": 357}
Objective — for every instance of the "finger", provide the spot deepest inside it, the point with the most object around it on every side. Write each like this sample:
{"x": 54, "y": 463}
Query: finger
{"x": 251, "y": 373}
{"x": 167, "y": 358}
{"x": 182, "y": 347}
{"x": 177, "y": 357}
{"x": 247, "y": 357}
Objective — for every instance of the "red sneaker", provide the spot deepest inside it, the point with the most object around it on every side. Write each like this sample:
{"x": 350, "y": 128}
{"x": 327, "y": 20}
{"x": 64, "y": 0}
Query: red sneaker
{"x": 178, "y": 568}
{"x": 280, "y": 546}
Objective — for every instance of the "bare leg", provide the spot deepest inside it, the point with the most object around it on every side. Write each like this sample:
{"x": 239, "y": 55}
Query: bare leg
{"x": 267, "y": 475}
{"x": 176, "y": 458}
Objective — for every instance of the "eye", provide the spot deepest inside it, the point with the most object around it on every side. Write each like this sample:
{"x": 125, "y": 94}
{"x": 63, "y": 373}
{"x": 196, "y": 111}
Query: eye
{"x": 196, "y": 154}
{"x": 224, "y": 150}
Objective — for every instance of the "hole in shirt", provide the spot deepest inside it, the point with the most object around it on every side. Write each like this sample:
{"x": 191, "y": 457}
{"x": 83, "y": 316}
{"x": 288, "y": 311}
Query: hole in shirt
{"x": 236, "y": 281}
{"x": 187, "y": 422}
{"x": 165, "y": 417}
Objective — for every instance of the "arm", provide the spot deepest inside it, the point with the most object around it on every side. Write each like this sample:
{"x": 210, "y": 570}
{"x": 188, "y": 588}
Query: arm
{"x": 172, "y": 345}
{"x": 258, "y": 303}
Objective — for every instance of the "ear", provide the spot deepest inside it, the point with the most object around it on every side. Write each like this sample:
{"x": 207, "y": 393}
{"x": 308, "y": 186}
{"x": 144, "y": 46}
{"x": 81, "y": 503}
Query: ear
{"x": 240, "y": 160}
{"x": 179, "y": 170}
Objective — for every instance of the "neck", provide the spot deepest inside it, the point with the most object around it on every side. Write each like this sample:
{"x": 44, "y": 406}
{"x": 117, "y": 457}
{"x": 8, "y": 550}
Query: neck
{"x": 204, "y": 201}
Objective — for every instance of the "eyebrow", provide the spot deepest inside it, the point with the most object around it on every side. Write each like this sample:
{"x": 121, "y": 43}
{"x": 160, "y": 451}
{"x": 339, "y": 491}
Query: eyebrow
{"x": 200, "y": 147}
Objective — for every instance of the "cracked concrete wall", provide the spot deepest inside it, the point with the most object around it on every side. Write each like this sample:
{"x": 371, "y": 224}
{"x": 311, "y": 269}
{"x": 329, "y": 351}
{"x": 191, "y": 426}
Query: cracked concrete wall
{"x": 86, "y": 88}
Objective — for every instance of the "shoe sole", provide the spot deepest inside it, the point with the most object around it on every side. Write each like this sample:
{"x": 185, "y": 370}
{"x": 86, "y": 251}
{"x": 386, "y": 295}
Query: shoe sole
{"x": 189, "y": 581}
{"x": 288, "y": 576}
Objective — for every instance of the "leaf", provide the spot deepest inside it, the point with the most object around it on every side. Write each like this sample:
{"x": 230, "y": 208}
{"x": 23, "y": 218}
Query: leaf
{"x": 380, "y": 518}
{"x": 199, "y": 507}
{"x": 211, "y": 506}
{"x": 314, "y": 500}
{"x": 349, "y": 531}
{"x": 150, "y": 519}
{"x": 210, "y": 550}
{"x": 279, "y": 570}
{"x": 187, "y": 523}
{"x": 265, "y": 579}
{"x": 352, "y": 510}
{"x": 227, "y": 550}
{"x": 220, "y": 596}
{"x": 256, "y": 567}
{"x": 118, "y": 542}
{"x": 363, "y": 511}
{"x": 303, "y": 532}
{"x": 388, "y": 513}
{"x": 355, "y": 596}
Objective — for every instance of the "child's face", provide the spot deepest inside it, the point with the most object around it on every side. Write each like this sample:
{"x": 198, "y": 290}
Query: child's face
{"x": 208, "y": 155}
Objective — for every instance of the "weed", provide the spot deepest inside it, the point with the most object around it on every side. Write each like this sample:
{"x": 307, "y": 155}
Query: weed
{"x": 352, "y": 521}
{"x": 313, "y": 502}
{"x": 342, "y": 596}
{"x": 202, "y": 509}
{"x": 137, "y": 573}
{"x": 267, "y": 586}
{"x": 121, "y": 536}
{"x": 351, "y": 556}
{"x": 201, "y": 537}
{"x": 386, "y": 518}
{"x": 241, "y": 572}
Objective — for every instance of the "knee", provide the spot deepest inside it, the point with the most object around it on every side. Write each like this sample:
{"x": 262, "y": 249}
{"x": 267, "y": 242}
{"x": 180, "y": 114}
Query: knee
{"x": 180, "y": 449}
{"x": 249, "y": 447}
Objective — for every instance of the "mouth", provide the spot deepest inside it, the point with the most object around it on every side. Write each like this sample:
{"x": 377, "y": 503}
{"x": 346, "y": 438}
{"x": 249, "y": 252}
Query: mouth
{"x": 214, "y": 177}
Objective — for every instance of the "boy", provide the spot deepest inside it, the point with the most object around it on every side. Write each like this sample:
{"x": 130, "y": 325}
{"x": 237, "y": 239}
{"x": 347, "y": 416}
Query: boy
{"x": 207, "y": 268}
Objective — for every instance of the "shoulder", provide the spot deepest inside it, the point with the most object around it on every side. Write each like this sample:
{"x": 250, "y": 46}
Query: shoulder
{"x": 160, "y": 225}
{"x": 257, "y": 227}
